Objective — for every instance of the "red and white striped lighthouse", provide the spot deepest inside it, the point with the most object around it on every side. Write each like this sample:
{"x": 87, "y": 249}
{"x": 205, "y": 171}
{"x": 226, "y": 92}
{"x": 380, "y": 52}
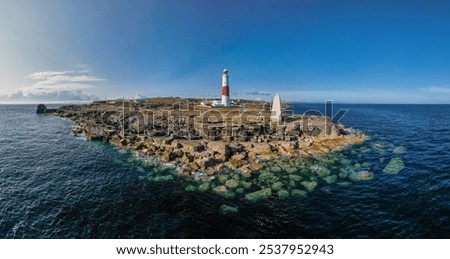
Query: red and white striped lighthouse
{"x": 225, "y": 89}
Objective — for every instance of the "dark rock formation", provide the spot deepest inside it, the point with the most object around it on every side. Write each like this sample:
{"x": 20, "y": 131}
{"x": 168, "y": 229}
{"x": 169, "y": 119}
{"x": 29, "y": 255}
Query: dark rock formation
{"x": 42, "y": 109}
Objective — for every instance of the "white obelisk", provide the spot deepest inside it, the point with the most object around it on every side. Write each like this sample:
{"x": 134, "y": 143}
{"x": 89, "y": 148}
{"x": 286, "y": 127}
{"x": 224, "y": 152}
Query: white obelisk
{"x": 276, "y": 109}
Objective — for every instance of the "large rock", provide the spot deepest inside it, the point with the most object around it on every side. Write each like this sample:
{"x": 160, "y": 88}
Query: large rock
{"x": 42, "y": 109}
{"x": 399, "y": 150}
{"x": 220, "y": 147}
{"x": 235, "y": 163}
{"x": 361, "y": 176}
{"x": 282, "y": 194}
{"x": 246, "y": 185}
{"x": 261, "y": 148}
{"x": 205, "y": 162}
{"x": 259, "y": 195}
{"x": 226, "y": 210}
{"x": 395, "y": 166}
{"x": 203, "y": 187}
{"x": 167, "y": 156}
{"x": 232, "y": 184}
{"x": 298, "y": 193}
{"x": 309, "y": 185}
{"x": 255, "y": 166}
{"x": 277, "y": 186}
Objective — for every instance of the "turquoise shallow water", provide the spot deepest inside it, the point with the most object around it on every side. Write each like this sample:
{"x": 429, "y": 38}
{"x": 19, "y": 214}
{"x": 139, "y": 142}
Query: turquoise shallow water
{"x": 55, "y": 185}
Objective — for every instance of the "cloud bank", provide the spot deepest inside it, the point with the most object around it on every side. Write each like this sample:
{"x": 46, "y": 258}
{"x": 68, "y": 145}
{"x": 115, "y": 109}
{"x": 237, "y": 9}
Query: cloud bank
{"x": 55, "y": 86}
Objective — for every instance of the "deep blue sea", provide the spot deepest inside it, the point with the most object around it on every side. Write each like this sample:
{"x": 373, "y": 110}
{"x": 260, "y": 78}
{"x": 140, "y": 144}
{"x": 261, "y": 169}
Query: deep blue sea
{"x": 56, "y": 185}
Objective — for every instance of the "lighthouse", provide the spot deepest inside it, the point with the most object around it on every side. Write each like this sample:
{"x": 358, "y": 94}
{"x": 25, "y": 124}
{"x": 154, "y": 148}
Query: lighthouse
{"x": 225, "y": 89}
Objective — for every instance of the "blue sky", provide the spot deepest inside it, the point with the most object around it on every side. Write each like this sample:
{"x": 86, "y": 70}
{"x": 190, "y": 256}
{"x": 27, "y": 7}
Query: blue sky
{"x": 310, "y": 51}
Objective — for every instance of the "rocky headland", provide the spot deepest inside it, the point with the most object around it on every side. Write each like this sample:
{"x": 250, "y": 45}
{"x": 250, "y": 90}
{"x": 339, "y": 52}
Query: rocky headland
{"x": 228, "y": 144}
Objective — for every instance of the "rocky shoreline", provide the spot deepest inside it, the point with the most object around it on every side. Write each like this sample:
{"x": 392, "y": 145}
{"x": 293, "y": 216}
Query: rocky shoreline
{"x": 233, "y": 152}
{"x": 203, "y": 139}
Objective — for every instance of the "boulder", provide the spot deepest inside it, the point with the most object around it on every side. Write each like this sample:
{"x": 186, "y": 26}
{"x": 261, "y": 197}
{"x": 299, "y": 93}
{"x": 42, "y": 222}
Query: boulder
{"x": 255, "y": 166}
{"x": 258, "y": 195}
{"x": 246, "y": 185}
{"x": 232, "y": 184}
{"x": 361, "y": 176}
{"x": 298, "y": 193}
{"x": 226, "y": 210}
{"x": 277, "y": 186}
{"x": 41, "y": 109}
{"x": 344, "y": 184}
{"x": 163, "y": 178}
{"x": 205, "y": 162}
{"x": 267, "y": 178}
{"x": 282, "y": 194}
{"x": 167, "y": 156}
{"x": 399, "y": 150}
{"x": 261, "y": 148}
{"x": 320, "y": 170}
{"x": 124, "y": 142}
{"x": 203, "y": 187}
{"x": 190, "y": 188}
{"x": 330, "y": 179}
{"x": 295, "y": 178}
{"x": 223, "y": 191}
{"x": 222, "y": 178}
{"x": 309, "y": 185}
{"x": 219, "y": 147}
{"x": 234, "y": 163}
{"x": 240, "y": 190}
{"x": 187, "y": 158}
{"x": 394, "y": 166}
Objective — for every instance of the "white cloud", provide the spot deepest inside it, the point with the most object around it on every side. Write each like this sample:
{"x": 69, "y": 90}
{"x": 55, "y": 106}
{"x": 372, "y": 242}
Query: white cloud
{"x": 439, "y": 90}
{"x": 72, "y": 85}
{"x": 64, "y": 77}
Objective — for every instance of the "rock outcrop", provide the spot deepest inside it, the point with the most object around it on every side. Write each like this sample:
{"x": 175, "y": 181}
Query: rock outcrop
{"x": 42, "y": 109}
{"x": 201, "y": 139}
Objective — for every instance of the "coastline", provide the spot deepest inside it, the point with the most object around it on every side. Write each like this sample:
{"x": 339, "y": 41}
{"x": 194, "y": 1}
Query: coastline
{"x": 206, "y": 141}
{"x": 236, "y": 152}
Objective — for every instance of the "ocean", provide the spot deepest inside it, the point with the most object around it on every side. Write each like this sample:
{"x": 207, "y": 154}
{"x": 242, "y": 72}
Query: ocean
{"x": 56, "y": 185}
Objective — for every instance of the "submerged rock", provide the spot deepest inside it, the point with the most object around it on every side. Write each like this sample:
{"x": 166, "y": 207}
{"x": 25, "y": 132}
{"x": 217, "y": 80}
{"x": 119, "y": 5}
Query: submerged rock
{"x": 292, "y": 184}
{"x": 282, "y": 194}
{"x": 163, "y": 178}
{"x": 203, "y": 187}
{"x": 246, "y": 185}
{"x": 277, "y": 186}
{"x": 222, "y": 178}
{"x": 259, "y": 195}
{"x": 361, "y": 176}
{"x": 344, "y": 184}
{"x": 330, "y": 179}
{"x": 223, "y": 191}
{"x": 226, "y": 210}
{"x": 291, "y": 170}
{"x": 320, "y": 170}
{"x": 231, "y": 183}
{"x": 399, "y": 150}
{"x": 395, "y": 166}
{"x": 190, "y": 188}
{"x": 267, "y": 178}
{"x": 309, "y": 185}
{"x": 240, "y": 190}
{"x": 295, "y": 178}
{"x": 298, "y": 193}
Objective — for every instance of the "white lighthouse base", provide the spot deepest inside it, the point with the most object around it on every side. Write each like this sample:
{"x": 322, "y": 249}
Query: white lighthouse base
{"x": 226, "y": 101}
